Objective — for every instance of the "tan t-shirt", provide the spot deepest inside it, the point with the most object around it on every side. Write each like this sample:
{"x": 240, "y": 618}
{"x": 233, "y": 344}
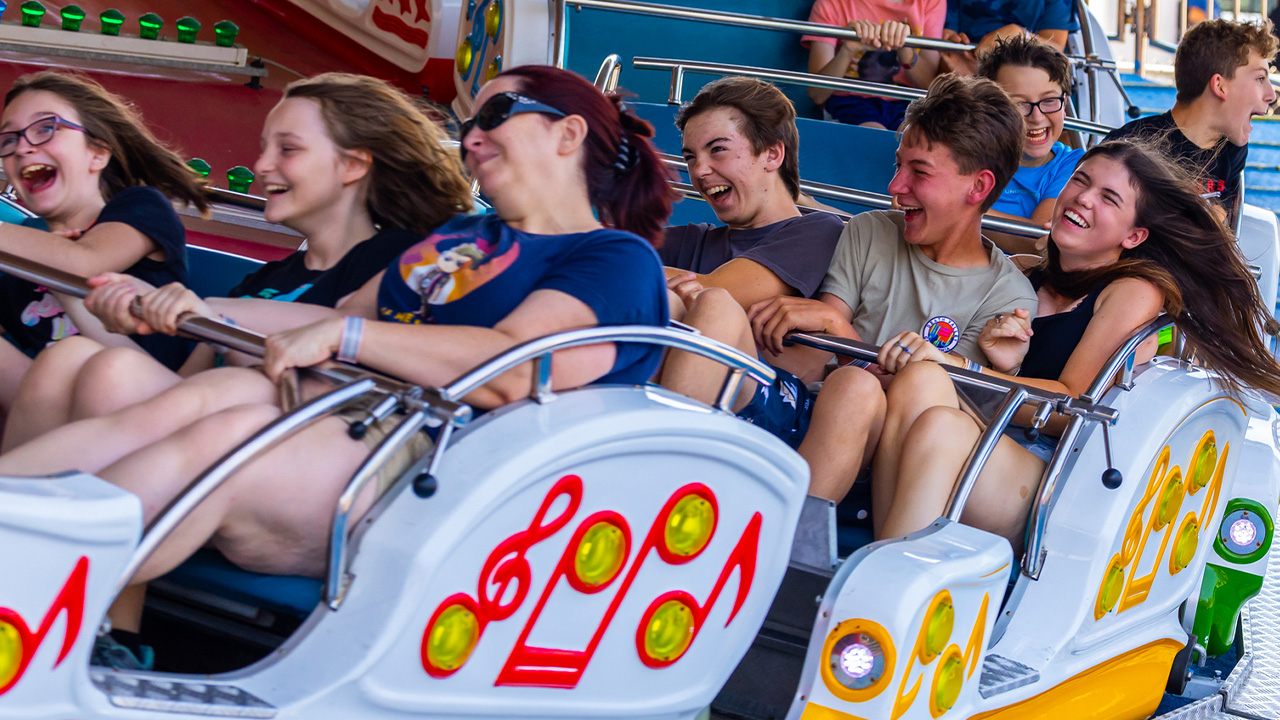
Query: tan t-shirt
{"x": 891, "y": 286}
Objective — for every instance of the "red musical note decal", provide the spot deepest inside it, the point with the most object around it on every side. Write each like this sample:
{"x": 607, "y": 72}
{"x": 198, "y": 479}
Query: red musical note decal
{"x": 71, "y": 600}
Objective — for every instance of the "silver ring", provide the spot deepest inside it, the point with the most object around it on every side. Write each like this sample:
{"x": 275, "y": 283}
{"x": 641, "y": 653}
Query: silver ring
{"x": 999, "y": 317}
{"x": 905, "y": 349}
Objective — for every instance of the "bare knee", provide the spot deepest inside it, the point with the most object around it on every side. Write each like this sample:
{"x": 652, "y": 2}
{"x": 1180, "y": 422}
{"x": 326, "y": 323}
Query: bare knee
{"x": 855, "y": 389}
{"x": 107, "y": 382}
{"x": 713, "y": 303}
{"x": 939, "y": 421}
{"x": 922, "y": 380}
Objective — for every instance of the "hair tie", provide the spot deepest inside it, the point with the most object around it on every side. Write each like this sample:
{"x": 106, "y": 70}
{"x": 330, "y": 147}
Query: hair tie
{"x": 627, "y": 156}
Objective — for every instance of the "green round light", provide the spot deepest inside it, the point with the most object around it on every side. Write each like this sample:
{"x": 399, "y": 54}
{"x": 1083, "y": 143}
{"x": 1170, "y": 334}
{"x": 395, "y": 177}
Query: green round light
{"x": 72, "y": 16}
{"x": 111, "y": 20}
{"x": 32, "y": 12}
{"x": 188, "y": 27}
{"x": 950, "y": 680}
{"x": 452, "y": 638}
{"x": 493, "y": 19}
{"x": 600, "y": 554}
{"x": 1184, "y": 548}
{"x": 225, "y": 33}
{"x": 462, "y": 59}
{"x": 239, "y": 178}
{"x": 1111, "y": 588}
{"x": 1206, "y": 461}
{"x": 200, "y": 166}
{"x": 938, "y": 632}
{"x": 689, "y": 526}
{"x": 1170, "y": 501}
{"x": 669, "y": 632}
{"x": 10, "y": 653}
{"x": 149, "y": 26}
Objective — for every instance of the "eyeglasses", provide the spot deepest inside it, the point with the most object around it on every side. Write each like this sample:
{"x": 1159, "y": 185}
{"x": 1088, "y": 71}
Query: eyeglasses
{"x": 1047, "y": 106}
{"x": 497, "y": 110}
{"x": 37, "y": 133}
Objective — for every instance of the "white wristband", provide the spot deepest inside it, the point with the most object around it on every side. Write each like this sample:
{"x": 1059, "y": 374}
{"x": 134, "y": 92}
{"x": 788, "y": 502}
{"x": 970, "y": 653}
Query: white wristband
{"x": 971, "y": 366}
{"x": 349, "y": 343}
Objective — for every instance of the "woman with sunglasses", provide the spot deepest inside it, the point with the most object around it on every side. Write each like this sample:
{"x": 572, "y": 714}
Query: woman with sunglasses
{"x": 81, "y": 159}
{"x": 580, "y": 196}
{"x": 1037, "y": 77}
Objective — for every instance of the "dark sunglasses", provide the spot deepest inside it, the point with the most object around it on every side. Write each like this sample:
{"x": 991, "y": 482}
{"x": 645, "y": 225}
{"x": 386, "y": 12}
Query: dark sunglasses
{"x": 498, "y": 109}
{"x": 37, "y": 133}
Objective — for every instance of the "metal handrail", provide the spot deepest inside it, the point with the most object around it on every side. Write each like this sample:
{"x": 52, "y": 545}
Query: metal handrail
{"x": 860, "y": 197}
{"x": 982, "y": 451}
{"x": 898, "y": 92}
{"x": 607, "y": 76}
{"x": 1121, "y": 361}
{"x": 559, "y": 40}
{"x": 178, "y": 509}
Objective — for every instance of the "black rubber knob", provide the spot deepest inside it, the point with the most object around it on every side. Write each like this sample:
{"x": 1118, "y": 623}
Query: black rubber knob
{"x": 356, "y": 430}
{"x": 1031, "y": 434}
{"x": 1111, "y": 478}
{"x": 425, "y": 485}
{"x": 1134, "y": 112}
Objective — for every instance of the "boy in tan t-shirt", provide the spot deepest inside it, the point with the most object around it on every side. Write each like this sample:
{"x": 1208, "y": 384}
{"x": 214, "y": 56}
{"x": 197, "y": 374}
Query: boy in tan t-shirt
{"x": 925, "y": 268}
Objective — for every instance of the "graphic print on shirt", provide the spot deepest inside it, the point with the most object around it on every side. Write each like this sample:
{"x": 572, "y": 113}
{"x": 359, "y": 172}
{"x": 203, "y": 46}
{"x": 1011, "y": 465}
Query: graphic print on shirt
{"x": 445, "y": 268}
{"x": 48, "y": 307}
{"x": 942, "y": 331}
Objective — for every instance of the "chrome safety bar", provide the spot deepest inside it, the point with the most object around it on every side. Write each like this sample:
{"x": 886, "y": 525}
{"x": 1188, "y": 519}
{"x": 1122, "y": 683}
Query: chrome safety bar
{"x": 679, "y": 67}
{"x": 607, "y": 76}
{"x": 1121, "y": 362}
{"x": 982, "y": 451}
{"x": 877, "y": 201}
{"x": 178, "y": 509}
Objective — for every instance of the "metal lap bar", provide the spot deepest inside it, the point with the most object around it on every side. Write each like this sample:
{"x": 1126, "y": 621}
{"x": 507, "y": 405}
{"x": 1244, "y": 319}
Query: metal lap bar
{"x": 859, "y": 197}
{"x": 607, "y": 76}
{"x": 679, "y": 67}
{"x": 982, "y": 452}
{"x": 211, "y": 479}
{"x": 1120, "y": 362}
{"x": 339, "y": 579}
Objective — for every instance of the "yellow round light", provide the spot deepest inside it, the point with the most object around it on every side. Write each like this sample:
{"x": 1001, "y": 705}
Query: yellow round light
{"x": 689, "y": 526}
{"x": 492, "y": 19}
{"x": 463, "y": 58}
{"x": 452, "y": 638}
{"x": 600, "y": 554}
{"x": 938, "y": 627}
{"x": 947, "y": 681}
{"x": 10, "y": 653}
{"x": 494, "y": 68}
{"x": 669, "y": 632}
{"x": 1170, "y": 500}
{"x": 1112, "y": 585}
{"x": 1205, "y": 462}
{"x": 1184, "y": 547}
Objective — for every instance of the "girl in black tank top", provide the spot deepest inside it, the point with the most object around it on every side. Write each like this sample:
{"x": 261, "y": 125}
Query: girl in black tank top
{"x": 1056, "y": 336}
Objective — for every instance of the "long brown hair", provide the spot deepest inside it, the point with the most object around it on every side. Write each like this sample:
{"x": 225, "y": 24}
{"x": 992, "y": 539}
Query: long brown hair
{"x": 1191, "y": 257}
{"x": 415, "y": 183}
{"x": 137, "y": 157}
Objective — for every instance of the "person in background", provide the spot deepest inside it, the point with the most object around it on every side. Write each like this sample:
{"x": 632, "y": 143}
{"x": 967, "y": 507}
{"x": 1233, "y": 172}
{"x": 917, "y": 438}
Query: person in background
{"x": 983, "y": 22}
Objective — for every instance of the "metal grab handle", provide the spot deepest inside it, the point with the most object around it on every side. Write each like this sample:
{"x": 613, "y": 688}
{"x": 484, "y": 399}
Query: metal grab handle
{"x": 982, "y": 451}
{"x": 607, "y": 76}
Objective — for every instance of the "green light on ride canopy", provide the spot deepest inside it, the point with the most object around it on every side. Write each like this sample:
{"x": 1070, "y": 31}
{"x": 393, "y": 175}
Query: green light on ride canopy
{"x": 32, "y": 11}
{"x": 225, "y": 33}
{"x": 111, "y": 21}
{"x": 239, "y": 178}
{"x": 200, "y": 166}
{"x": 72, "y": 16}
{"x": 149, "y": 26}
{"x": 187, "y": 29}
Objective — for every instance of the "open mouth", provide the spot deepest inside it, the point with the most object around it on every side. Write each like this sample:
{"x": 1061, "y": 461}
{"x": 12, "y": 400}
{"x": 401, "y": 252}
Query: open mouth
{"x": 37, "y": 177}
{"x": 716, "y": 192}
{"x": 276, "y": 188}
{"x": 1071, "y": 217}
{"x": 910, "y": 212}
{"x": 1038, "y": 136}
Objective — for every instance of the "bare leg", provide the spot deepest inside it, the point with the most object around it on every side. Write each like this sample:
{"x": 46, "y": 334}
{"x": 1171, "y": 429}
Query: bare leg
{"x": 126, "y": 612}
{"x": 117, "y": 378}
{"x": 844, "y": 431}
{"x": 42, "y": 400}
{"x": 916, "y": 388}
{"x": 717, "y": 315}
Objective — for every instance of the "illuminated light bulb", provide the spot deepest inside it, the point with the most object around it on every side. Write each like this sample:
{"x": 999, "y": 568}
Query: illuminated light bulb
{"x": 239, "y": 178}
{"x": 1243, "y": 532}
{"x": 3, "y": 6}
{"x": 112, "y": 20}
{"x": 72, "y": 16}
{"x": 224, "y": 33}
{"x": 200, "y": 166}
{"x": 32, "y": 12}
{"x": 149, "y": 26}
{"x": 857, "y": 660}
{"x": 188, "y": 27}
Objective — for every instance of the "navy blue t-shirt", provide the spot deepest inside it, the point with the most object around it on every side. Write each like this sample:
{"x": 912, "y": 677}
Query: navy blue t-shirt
{"x": 475, "y": 270}
{"x": 977, "y": 18}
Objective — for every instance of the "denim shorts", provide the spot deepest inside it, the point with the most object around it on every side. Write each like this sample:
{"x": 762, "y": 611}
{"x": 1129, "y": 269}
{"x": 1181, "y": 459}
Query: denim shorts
{"x": 1043, "y": 447}
{"x": 783, "y": 408}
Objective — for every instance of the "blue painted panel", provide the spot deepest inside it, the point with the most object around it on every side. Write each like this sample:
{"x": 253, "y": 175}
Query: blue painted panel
{"x": 593, "y": 34}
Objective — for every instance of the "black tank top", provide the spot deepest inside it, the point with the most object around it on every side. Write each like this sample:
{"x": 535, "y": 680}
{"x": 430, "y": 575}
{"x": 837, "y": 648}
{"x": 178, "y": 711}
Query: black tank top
{"x": 1055, "y": 337}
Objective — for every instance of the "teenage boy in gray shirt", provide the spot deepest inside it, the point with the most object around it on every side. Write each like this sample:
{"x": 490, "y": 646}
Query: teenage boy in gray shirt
{"x": 924, "y": 269}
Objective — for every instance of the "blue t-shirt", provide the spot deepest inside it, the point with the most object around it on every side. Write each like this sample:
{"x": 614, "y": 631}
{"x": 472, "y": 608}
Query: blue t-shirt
{"x": 1031, "y": 185}
{"x": 475, "y": 270}
{"x": 977, "y": 18}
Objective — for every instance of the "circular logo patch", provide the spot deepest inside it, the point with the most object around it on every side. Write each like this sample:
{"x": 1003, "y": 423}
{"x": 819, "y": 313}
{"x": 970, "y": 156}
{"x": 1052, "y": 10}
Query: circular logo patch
{"x": 942, "y": 331}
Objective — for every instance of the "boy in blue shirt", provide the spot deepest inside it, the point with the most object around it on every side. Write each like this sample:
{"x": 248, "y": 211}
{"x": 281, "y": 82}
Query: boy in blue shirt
{"x": 1037, "y": 79}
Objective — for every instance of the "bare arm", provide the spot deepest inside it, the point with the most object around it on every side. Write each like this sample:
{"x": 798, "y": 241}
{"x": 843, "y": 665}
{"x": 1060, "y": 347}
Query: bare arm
{"x": 771, "y": 320}
{"x": 107, "y": 247}
{"x": 1056, "y": 38}
{"x": 746, "y": 280}
{"x": 827, "y": 59}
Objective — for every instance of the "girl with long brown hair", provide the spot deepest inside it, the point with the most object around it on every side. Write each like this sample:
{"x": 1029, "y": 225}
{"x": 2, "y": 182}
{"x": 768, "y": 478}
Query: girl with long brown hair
{"x": 1130, "y": 238}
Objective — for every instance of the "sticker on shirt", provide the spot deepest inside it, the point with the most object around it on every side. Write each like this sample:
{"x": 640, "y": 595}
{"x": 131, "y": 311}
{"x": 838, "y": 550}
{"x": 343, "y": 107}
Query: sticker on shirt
{"x": 445, "y": 268}
{"x": 942, "y": 331}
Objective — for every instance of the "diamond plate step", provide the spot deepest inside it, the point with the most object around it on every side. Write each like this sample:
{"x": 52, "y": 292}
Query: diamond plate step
{"x": 1001, "y": 674}
{"x": 127, "y": 691}
{"x": 1254, "y": 691}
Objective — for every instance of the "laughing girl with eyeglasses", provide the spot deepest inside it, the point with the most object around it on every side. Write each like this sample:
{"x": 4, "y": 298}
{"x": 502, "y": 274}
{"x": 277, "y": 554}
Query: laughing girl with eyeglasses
{"x": 80, "y": 158}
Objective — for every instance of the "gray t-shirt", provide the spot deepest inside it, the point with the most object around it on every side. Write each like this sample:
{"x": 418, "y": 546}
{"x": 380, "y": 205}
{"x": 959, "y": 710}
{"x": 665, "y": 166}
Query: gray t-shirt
{"x": 891, "y": 286}
{"x": 797, "y": 249}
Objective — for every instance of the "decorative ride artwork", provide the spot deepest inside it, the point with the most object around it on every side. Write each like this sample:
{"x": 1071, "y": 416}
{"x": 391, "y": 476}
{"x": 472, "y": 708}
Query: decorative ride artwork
{"x": 595, "y": 557}
{"x": 18, "y": 643}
